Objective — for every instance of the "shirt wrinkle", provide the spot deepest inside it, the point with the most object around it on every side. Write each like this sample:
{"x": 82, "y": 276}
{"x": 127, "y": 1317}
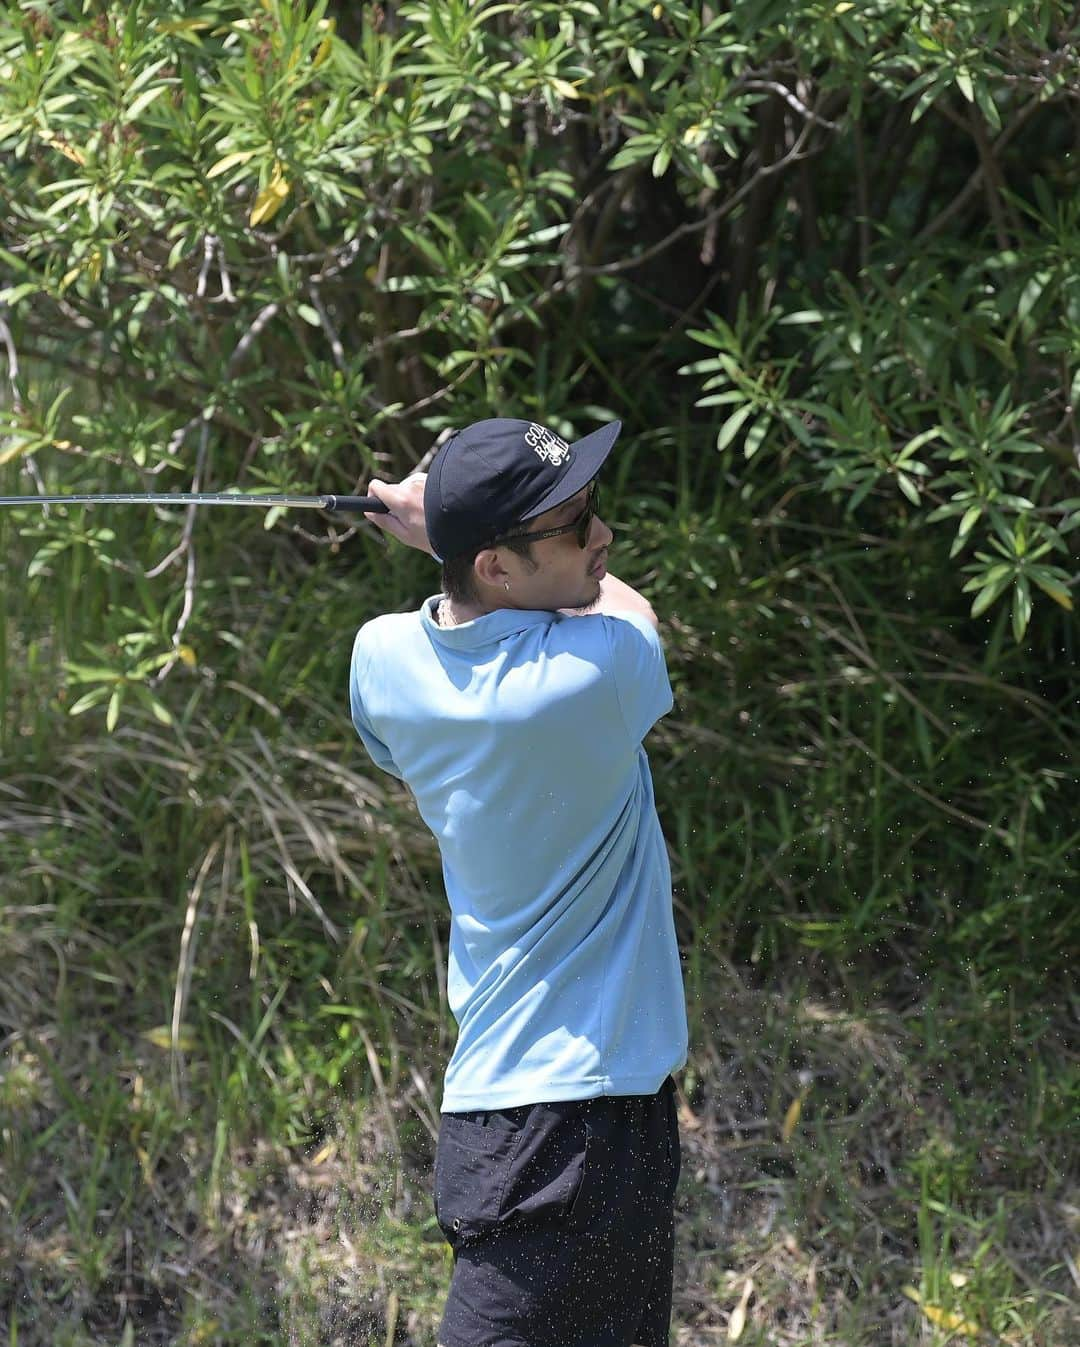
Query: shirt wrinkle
{"x": 519, "y": 734}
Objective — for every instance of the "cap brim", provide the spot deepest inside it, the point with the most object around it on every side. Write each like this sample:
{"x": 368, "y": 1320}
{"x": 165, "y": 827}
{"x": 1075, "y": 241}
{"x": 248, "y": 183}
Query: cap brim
{"x": 589, "y": 455}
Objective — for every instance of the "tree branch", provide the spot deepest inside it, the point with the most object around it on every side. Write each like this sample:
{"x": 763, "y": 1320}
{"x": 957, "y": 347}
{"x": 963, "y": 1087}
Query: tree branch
{"x": 794, "y": 155}
{"x": 13, "y": 362}
{"x": 993, "y": 181}
{"x": 964, "y": 196}
{"x": 782, "y": 91}
{"x": 862, "y": 197}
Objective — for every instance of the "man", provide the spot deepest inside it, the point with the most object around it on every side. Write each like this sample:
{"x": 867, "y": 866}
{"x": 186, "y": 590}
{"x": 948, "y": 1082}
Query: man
{"x": 514, "y": 706}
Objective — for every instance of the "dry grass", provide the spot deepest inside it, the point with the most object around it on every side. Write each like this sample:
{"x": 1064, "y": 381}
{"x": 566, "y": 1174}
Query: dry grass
{"x": 122, "y": 1206}
{"x": 223, "y": 1020}
{"x": 819, "y": 1235}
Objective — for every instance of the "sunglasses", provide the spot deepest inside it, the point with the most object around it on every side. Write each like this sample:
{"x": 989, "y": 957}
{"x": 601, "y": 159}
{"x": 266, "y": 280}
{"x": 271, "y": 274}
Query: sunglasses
{"x": 581, "y": 525}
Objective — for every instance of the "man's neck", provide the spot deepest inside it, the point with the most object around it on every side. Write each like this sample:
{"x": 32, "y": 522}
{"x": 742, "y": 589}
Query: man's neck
{"x": 454, "y": 614}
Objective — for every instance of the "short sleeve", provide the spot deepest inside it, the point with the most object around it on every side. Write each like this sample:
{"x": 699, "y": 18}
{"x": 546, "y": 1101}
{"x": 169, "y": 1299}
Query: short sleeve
{"x": 359, "y": 679}
{"x": 640, "y": 673}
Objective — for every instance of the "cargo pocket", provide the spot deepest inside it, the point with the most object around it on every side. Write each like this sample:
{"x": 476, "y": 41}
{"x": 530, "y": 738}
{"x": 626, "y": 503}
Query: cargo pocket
{"x": 548, "y": 1169}
{"x": 472, "y": 1162}
{"x": 577, "y": 1207}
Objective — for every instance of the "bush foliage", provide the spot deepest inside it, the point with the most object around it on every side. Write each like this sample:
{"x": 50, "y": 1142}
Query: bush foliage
{"x": 820, "y": 258}
{"x": 286, "y": 235}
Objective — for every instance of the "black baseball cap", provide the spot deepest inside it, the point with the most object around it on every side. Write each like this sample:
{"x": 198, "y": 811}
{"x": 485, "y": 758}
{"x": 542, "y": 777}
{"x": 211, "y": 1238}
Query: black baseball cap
{"x": 501, "y": 472}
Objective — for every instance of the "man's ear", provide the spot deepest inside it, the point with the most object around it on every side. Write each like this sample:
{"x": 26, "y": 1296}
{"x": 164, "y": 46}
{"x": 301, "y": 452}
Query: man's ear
{"x": 490, "y": 569}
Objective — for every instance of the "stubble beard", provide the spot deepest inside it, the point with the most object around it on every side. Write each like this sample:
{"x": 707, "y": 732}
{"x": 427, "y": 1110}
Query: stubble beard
{"x": 590, "y": 604}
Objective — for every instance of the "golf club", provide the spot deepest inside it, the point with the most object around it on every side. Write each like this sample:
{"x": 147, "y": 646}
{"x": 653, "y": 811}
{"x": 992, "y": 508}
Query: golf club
{"x": 351, "y": 504}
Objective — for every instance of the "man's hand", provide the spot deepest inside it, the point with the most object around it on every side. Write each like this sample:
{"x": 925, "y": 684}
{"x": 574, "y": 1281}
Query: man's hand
{"x": 405, "y": 500}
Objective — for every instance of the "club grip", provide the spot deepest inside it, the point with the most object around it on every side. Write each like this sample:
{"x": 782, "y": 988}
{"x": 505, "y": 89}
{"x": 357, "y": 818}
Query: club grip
{"x": 356, "y": 504}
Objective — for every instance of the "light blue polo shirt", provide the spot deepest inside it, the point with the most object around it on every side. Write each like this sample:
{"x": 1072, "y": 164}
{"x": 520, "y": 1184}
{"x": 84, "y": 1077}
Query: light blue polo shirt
{"x": 520, "y": 735}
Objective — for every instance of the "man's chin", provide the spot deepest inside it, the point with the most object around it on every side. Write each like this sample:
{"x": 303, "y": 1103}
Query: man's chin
{"x": 591, "y": 603}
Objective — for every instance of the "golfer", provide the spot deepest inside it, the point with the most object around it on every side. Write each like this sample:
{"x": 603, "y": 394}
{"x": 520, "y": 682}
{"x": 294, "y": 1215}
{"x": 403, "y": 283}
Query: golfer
{"x": 513, "y": 705}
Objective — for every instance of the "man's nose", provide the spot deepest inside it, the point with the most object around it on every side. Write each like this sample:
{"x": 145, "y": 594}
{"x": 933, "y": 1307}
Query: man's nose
{"x": 599, "y": 533}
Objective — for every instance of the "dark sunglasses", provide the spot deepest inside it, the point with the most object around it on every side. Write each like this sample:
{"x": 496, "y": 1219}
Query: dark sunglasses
{"x": 581, "y": 525}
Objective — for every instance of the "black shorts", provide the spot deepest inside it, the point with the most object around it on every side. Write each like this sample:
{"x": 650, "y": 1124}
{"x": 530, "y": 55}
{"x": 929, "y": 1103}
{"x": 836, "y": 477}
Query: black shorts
{"x": 561, "y": 1220}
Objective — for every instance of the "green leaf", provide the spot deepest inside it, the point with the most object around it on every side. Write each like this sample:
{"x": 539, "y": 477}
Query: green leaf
{"x": 754, "y": 436}
{"x": 914, "y": 445}
{"x": 161, "y": 1037}
{"x": 987, "y": 106}
{"x": 987, "y": 577}
{"x": 565, "y": 88}
{"x": 723, "y": 339}
{"x": 1031, "y": 294}
{"x": 144, "y": 100}
{"x": 968, "y": 522}
{"x": 1021, "y": 608}
{"x": 87, "y": 701}
{"x": 16, "y": 292}
{"x": 989, "y": 594}
{"x": 159, "y": 711}
{"x": 926, "y": 99}
{"x": 731, "y": 426}
{"x": 1054, "y": 591}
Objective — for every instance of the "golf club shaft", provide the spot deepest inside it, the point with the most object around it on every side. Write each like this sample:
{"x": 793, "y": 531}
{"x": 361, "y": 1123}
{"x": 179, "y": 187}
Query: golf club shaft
{"x": 351, "y": 504}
